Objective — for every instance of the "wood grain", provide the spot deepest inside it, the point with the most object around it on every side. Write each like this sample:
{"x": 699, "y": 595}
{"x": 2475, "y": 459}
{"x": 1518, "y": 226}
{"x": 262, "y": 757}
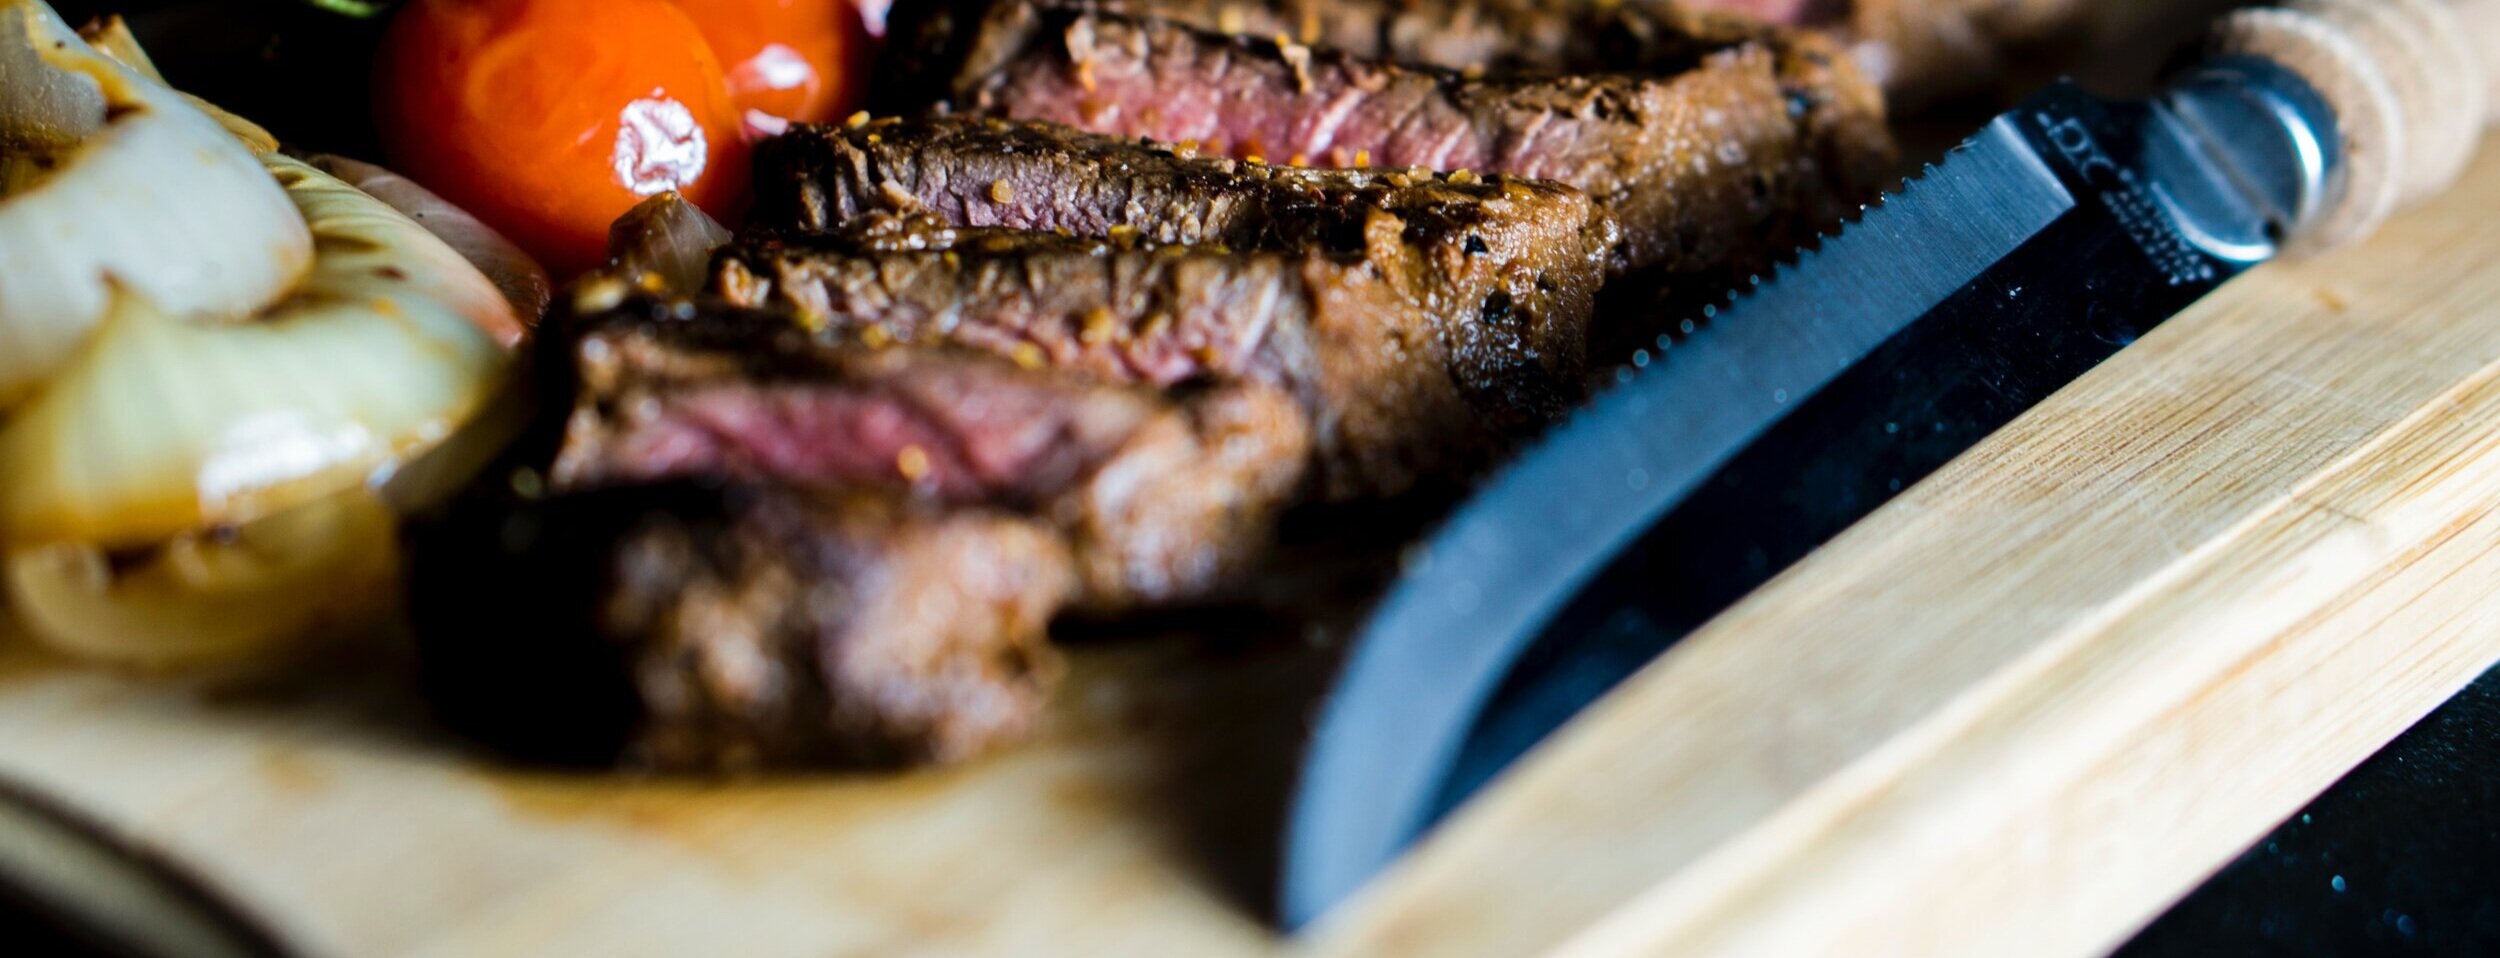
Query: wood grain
{"x": 2044, "y": 691}
{"x": 322, "y": 805}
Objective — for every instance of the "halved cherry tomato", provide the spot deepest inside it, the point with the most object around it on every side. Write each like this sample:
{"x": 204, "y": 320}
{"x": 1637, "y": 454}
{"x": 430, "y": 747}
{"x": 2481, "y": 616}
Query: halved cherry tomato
{"x": 549, "y": 118}
{"x": 794, "y": 60}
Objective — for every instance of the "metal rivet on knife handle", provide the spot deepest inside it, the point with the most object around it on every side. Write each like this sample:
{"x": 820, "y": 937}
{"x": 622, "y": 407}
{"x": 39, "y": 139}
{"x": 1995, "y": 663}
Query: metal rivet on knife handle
{"x": 2409, "y": 87}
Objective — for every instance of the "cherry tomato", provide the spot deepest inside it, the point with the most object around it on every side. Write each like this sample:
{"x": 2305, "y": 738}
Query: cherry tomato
{"x": 795, "y": 60}
{"x": 549, "y": 118}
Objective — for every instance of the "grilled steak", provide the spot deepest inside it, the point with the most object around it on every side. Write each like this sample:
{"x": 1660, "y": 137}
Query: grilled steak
{"x": 689, "y": 627}
{"x": 1393, "y": 393}
{"x": 1162, "y": 499}
{"x": 1708, "y": 164}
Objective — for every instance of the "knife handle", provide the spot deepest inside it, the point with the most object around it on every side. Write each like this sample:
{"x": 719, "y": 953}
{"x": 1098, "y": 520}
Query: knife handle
{"x": 2411, "y": 83}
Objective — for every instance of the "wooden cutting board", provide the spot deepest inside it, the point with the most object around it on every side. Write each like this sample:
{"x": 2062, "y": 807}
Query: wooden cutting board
{"x": 2015, "y": 712}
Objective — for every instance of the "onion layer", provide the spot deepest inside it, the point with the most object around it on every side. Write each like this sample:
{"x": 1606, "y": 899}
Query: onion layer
{"x": 523, "y": 282}
{"x": 138, "y": 189}
{"x": 313, "y": 570}
{"x": 160, "y": 426}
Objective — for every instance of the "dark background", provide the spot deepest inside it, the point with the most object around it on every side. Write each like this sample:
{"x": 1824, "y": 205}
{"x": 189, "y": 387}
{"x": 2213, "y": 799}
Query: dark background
{"x": 2401, "y": 857}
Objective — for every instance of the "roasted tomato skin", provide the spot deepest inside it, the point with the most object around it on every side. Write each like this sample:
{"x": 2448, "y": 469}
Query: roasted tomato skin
{"x": 549, "y": 118}
{"x": 800, "y": 61}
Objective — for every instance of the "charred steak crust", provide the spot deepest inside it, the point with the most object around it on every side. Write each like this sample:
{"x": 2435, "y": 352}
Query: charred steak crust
{"x": 1710, "y": 166}
{"x": 692, "y": 627}
{"x": 1393, "y": 393}
{"x": 861, "y": 627}
{"x": 1164, "y": 498}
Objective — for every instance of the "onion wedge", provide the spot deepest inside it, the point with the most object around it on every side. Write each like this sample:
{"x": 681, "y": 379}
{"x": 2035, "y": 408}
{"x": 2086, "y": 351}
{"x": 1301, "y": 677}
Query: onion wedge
{"x": 664, "y": 244}
{"x": 130, "y": 187}
{"x": 523, "y": 282}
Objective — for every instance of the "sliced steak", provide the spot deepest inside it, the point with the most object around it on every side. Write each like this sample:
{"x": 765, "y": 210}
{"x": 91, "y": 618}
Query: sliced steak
{"x": 1919, "y": 50}
{"x": 1393, "y": 393}
{"x": 733, "y": 543}
{"x": 1494, "y": 36}
{"x": 1528, "y": 253}
{"x": 690, "y": 627}
{"x": 1711, "y": 164}
{"x": 1164, "y": 499}
{"x": 1529, "y": 238}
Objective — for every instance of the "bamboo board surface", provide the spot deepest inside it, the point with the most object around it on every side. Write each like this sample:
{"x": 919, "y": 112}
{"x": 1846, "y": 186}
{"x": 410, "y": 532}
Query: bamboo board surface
{"x": 2015, "y": 712}
{"x": 2040, "y": 694}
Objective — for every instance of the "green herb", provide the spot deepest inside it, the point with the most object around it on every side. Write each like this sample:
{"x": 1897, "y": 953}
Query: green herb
{"x": 360, "y": 9}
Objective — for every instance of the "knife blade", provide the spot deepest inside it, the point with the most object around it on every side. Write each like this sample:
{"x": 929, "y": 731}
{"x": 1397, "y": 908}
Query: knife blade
{"x": 2055, "y": 237}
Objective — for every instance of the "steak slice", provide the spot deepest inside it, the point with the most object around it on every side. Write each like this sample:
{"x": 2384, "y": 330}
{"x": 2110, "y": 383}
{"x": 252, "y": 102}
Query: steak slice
{"x": 1393, "y": 393}
{"x": 1528, "y": 253}
{"x": 1470, "y": 236}
{"x": 1163, "y": 499}
{"x": 690, "y": 627}
{"x": 1919, "y": 50}
{"x": 731, "y": 543}
{"x": 1495, "y": 36}
{"x": 1711, "y": 165}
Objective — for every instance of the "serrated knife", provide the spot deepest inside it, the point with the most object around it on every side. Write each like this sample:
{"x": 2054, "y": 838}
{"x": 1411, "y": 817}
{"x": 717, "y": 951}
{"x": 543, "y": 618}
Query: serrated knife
{"x": 2046, "y": 243}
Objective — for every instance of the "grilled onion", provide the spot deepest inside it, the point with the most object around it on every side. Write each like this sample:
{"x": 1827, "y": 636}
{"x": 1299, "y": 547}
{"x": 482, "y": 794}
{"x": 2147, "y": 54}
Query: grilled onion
{"x": 523, "y": 282}
{"x": 196, "y": 478}
{"x": 116, "y": 180}
{"x": 314, "y": 570}
{"x": 161, "y": 426}
{"x": 664, "y": 243}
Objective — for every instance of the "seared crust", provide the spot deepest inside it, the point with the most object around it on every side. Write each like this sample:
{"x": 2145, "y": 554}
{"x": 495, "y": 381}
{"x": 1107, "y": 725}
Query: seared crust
{"x": 795, "y": 628}
{"x": 696, "y": 627}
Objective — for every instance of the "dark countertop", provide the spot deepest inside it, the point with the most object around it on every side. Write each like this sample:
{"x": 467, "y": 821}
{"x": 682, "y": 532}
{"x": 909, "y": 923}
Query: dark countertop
{"x": 2401, "y": 857}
